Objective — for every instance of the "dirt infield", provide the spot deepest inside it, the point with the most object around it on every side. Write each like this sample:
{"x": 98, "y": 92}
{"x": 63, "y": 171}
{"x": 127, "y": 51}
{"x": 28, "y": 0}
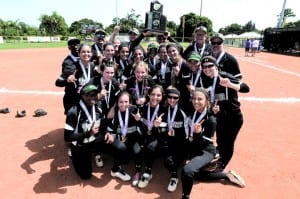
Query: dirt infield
{"x": 34, "y": 162}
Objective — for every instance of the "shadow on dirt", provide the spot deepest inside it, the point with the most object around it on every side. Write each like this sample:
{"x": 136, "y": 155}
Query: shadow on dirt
{"x": 51, "y": 147}
{"x": 61, "y": 175}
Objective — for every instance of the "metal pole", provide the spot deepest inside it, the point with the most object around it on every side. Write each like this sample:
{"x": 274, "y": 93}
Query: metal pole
{"x": 117, "y": 12}
{"x": 280, "y": 20}
{"x": 200, "y": 8}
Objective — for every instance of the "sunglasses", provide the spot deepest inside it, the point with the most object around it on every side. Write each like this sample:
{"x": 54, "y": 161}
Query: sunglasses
{"x": 216, "y": 43}
{"x": 173, "y": 97}
{"x": 208, "y": 66}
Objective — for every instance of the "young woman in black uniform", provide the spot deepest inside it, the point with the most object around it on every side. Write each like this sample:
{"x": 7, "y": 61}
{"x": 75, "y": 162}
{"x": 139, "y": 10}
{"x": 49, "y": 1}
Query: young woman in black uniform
{"x": 163, "y": 68}
{"x": 139, "y": 84}
{"x": 108, "y": 86}
{"x": 224, "y": 88}
{"x": 151, "y": 124}
{"x": 176, "y": 137}
{"x": 84, "y": 128}
{"x": 127, "y": 138}
{"x": 78, "y": 75}
{"x": 124, "y": 68}
{"x": 201, "y": 131}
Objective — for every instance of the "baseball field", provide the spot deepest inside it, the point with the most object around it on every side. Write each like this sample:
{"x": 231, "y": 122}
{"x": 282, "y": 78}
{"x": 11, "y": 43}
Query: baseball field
{"x": 34, "y": 161}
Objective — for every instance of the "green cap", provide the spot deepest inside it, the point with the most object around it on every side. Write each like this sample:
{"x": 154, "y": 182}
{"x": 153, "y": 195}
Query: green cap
{"x": 88, "y": 88}
{"x": 152, "y": 45}
{"x": 194, "y": 56}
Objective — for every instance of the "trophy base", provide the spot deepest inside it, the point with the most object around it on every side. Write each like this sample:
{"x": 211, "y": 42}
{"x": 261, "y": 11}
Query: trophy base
{"x": 155, "y": 32}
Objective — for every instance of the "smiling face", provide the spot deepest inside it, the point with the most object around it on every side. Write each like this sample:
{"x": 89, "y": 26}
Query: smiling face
{"x": 140, "y": 71}
{"x": 155, "y": 96}
{"x": 90, "y": 98}
{"x": 138, "y": 55}
{"x": 199, "y": 101}
{"x": 124, "y": 53}
{"x": 85, "y": 53}
{"x": 173, "y": 53}
{"x": 194, "y": 65}
{"x": 200, "y": 37}
{"x": 217, "y": 45}
{"x": 109, "y": 52}
{"x": 162, "y": 53}
{"x": 209, "y": 69}
{"x": 123, "y": 102}
{"x": 172, "y": 99}
{"x": 108, "y": 74}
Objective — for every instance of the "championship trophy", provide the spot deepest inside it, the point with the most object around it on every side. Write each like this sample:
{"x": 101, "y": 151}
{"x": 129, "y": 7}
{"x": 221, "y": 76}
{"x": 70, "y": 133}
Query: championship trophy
{"x": 155, "y": 21}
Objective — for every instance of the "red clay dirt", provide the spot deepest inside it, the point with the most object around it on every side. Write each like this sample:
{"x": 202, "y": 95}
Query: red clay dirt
{"x": 34, "y": 162}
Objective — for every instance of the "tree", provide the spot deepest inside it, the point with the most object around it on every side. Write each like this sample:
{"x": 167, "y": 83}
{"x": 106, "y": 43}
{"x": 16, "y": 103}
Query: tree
{"x": 249, "y": 27}
{"x": 53, "y": 25}
{"x": 84, "y": 26}
{"x": 232, "y": 29}
{"x": 287, "y": 13}
{"x": 172, "y": 28}
{"x": 190, "y": 21}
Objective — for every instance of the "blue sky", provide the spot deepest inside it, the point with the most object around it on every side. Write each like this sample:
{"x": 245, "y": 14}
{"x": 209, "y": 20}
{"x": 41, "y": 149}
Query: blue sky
{"x": 222, "y": 12}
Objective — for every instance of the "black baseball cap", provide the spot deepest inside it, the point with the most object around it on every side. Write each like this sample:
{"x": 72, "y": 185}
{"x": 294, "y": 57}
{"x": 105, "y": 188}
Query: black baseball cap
{"x": 73, "y": 42}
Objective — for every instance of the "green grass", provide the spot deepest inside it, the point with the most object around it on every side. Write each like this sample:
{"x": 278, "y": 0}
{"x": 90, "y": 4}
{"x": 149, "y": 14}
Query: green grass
{"x": 24, "y": 45}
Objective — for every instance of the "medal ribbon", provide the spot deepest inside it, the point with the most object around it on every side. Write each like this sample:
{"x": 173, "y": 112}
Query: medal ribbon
{"x": 197, "y": 121}
{"x": 150, "y": 122}
{"x": 123, "y": 124}
{"x": 171, "y": 120}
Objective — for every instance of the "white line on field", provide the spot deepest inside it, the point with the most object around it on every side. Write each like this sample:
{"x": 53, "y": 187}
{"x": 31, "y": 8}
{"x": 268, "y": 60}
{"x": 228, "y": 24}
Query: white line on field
{"x": 250, "y": 99}
{"x": 269, "y": 66}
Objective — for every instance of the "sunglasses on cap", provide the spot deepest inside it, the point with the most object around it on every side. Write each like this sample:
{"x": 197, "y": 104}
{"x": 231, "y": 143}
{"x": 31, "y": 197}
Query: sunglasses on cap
{"x": 208, "y": 66}
{"x": 216, "y": 43}
{"x": 172, "y": 97}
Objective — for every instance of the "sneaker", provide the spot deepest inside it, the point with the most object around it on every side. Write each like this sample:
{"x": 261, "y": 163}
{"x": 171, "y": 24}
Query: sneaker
{"x": 136, "y": 178}
{"x": 39, "y": 112}
{"x": 99, "y": 161}
{"x": 121, "y": 174}
{"x": 69, "y": 152}
{"x": 4, "y": 110}
{"x": 172, "y": 184}
{"x": 235, "y": 178}
{"x": 21, "y": 113}
{"x": 145, "y": 179}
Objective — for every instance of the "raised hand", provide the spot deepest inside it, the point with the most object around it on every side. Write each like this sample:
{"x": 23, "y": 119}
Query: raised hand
{"x": 225, "y": 82}
{"x": 216, "y": 107}
{"x": 109, "y": 138}
{"x": 198, "y": 127}
{"x": 103, "y": 93}
{"x": 158, "y": 120}
{"x": 72, "y": 78}
{"x": 94, "y": 129}
{"x": 137, "y": 116}
{"x": 190, "y": 87}
{"x": 123, "y": 85}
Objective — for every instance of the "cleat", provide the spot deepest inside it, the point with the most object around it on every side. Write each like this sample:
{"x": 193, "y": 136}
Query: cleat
{"x": 235, "y": 178}
{"x": 4, "y": 110}
{"x": 145, "y": 179}
{"x": 99, "y": 161}
{"x": 21, "y": 113}
{"x": 172, "y": 184}
{"x": 39, "y": 112}
{"x": 121, "y": 174}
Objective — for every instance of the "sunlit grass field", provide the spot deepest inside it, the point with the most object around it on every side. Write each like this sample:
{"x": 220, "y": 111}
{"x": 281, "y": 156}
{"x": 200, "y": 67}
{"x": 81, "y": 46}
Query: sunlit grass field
{"x": 24, "y": 45}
